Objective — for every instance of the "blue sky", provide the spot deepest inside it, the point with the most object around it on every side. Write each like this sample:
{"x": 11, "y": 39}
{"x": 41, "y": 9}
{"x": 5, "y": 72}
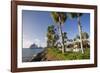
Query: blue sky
{"x": 35, "y": 25}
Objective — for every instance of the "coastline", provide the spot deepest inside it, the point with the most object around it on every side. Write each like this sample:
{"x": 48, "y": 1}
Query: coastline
{"x": 52, "y": 54}
{"x": 29, "y": 53}
{"x": 39, "y": 57}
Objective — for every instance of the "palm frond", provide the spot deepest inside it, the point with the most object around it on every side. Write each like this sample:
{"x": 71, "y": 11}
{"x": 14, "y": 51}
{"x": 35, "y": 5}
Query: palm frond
{"x": 57, "y": 15}
{"x": 74, "y": 15}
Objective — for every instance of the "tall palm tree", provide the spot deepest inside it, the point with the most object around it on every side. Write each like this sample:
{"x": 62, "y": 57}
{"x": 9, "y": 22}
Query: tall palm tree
{"x": 59, "y": 18}
{"x": 78, "y": 15}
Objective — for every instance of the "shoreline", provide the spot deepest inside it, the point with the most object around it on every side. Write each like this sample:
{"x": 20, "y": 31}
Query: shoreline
{"x": 39, "y": 57}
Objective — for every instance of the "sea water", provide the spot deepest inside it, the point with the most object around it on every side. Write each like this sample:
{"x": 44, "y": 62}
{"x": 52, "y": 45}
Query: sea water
{"x": 27, "y": 53}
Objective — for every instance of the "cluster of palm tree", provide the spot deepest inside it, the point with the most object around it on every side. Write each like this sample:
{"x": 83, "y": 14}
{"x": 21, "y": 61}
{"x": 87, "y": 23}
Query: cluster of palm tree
{"x": 60, "y": 18}
{"x": 85, "y": 35}
{"x": 52, "y": 36}
{"x": 85, "y": 40}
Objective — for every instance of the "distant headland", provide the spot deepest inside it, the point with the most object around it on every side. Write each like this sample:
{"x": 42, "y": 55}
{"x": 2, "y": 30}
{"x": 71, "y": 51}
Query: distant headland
{"x": 35, "y": 46}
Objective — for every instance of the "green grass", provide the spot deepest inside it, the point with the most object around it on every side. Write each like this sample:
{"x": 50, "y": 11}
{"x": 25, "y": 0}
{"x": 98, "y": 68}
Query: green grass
{"x": 56, "y": 54}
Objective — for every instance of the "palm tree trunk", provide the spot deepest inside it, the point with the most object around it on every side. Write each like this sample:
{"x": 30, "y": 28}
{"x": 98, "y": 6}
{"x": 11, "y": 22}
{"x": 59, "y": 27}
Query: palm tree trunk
{"x": 80, "y": 33}
{"x": 61, "y": 36}
{"x": 62, "y": 41}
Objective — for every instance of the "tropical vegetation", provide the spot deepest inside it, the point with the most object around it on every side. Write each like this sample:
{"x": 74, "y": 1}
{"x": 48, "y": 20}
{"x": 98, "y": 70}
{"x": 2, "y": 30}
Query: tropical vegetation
{"x": 59, "y": 46}
{"x": 56, "y": 37}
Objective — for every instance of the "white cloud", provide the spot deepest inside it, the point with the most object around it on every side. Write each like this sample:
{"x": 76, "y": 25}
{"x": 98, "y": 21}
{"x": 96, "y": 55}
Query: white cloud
{"x": 45, "y": 38}
{"x": 37, "y": 42}
{"x": 44, "y": 43}
{"x": 28, "y": 42}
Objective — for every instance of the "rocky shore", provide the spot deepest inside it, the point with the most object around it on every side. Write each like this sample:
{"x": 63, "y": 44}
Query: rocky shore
{"x": 40, "y": 56}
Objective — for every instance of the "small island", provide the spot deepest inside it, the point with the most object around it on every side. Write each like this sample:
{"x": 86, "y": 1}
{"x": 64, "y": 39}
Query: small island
{"x": 35, "y": 46}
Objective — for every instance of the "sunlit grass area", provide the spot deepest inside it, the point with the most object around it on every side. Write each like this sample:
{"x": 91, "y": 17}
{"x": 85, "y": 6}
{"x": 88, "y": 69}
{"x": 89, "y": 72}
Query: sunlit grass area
{"x": 55, "y": 54}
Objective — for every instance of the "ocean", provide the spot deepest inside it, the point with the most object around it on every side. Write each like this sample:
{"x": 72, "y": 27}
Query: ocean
{"x": 27, "y": 53}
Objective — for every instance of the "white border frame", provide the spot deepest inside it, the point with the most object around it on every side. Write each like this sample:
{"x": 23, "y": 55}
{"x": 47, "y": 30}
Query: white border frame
{"x": 52, "y": 63}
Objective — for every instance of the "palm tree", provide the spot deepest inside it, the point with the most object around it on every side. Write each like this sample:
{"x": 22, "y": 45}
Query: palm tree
{"x": 59, "y": 18}
{"x": 85, "y": 35}
{"x": 65, "y": 39}
{"x": 78, "y": 15}
{"x": 52, "y": 36}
